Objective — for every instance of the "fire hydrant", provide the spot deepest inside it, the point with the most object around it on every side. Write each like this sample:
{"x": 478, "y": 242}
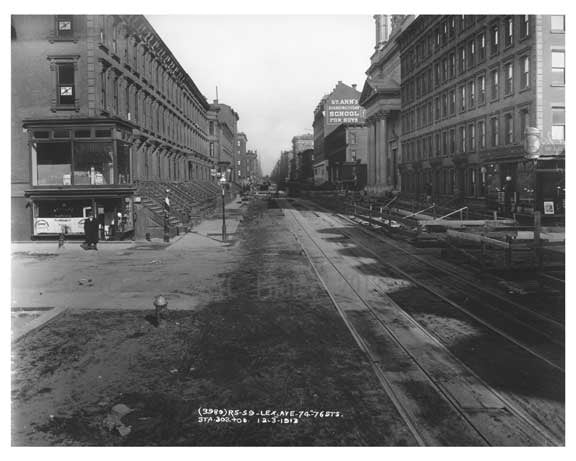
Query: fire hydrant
{"x": 161, "y": 306}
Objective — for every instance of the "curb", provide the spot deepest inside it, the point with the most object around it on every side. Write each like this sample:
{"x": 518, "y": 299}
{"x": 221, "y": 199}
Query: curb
{"x": 38, "y": 322}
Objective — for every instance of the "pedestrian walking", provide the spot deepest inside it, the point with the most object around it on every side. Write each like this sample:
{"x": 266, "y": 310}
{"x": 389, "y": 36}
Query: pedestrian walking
{"x": 91, "y": 231}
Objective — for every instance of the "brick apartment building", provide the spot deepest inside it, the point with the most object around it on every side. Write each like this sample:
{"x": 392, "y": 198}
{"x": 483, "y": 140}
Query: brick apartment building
{"x": 100, "y": 107}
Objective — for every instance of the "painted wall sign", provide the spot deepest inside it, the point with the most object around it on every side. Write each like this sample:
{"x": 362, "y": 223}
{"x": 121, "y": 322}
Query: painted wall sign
{"x": 340, "y": 111}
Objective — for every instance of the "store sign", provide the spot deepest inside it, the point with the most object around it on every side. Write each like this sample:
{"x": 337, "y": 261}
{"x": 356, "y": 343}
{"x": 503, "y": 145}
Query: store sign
{"x": 58, "y": 225}
{"x": 548, "y": 207}
{"x": 340, "y": 111}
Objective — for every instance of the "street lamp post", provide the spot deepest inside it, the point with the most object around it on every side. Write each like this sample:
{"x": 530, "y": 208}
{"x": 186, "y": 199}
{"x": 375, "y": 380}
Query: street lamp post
{"x": 166, "y": 218}
{"x": 223, "y": 184}
{"x": 223, "y": 172}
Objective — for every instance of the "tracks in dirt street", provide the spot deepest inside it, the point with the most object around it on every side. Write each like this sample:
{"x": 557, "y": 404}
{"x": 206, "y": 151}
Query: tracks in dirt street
{"x": 441, "y": 399}
{"x": 530, "y": 330}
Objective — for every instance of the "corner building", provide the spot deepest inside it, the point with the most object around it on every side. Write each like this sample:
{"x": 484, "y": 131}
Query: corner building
{"x": 340, "y": 107}
{"x": 471, "y": 86}
{"x": 100, "y": 107}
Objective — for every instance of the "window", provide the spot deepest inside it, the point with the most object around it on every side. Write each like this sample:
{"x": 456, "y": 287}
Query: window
{"x": 61, "y": 134}
{"x": 471, "y": 94}
{"x": 481, "y": 134}
{"x": 452, "y": 26}
{"x": 452, "y": 65}
{"x": 524, "y": 72}
{"x": 452, "y": 102}
{"x": 437, "y": 108}
{"x": 462, "y": 98}
{"x": 136, "y": 97}
{"x": 472, "y": 53}
{"x": 123, "y": 157}
{"x": 525, "y": 26}
{"x": 115, "y": 38}
{"x": 462, "y": 133}
{"x": 115, "y": 91}
{"x": 452, "y": 141}
{"x": 509, "y": 38}
{"x": 558, "y": 124}
{"x": 495, "y": 39}
{"x": 524, "y": 121}
{"x": 509, "y": 82}
{"x": 508, "y": 129}
{"x": 53, "y": 163}
{"x": 437, "y": 143}
{"x": 444, "y": 105}
{"x": 462, "y": 67}
{"x": 65, "y": 76}
{"x": 495, "y": 131}
{"x": 558, "y": 68}
{"x": 64, "y": 28}
{"x": 482, "y": 46}
{"x": 127, "y": 100}
{"x": 481, "y": 89}
{"x": 211, "y": 149}
{"x": 82, "y": 134}
{"x": 211, "y": 128}
{"x": 557, "y": 23}
{"x": 471, "y": 137}
{"x": 495, "y": 84}
{"x": 444, "y": 143}
{"x": 135, "y": 53}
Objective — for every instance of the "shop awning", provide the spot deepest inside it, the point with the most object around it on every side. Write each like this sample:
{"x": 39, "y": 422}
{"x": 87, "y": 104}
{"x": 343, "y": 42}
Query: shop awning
{"x": 69, "y": 193}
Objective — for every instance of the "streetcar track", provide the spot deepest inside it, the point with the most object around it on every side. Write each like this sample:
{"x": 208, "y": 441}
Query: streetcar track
{"x": 510, "y": 406}
{"x": 465, "y": 287}
{"x": 374, "y": 361}
{"x": 454, "y": 304}
{"x": 445, "y": 268}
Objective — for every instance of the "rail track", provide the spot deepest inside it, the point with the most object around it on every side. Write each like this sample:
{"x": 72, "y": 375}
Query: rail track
{"x": 485, "y": 415}
{"x": 506, "y": 313}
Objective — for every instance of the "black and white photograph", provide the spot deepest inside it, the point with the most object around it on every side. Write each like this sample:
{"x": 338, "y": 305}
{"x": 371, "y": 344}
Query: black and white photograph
{"x": 312, "y": 228}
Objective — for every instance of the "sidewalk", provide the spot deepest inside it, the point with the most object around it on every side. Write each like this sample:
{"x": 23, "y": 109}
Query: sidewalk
{"x": 124, "y": 275}
{"x": 211, "y": 228}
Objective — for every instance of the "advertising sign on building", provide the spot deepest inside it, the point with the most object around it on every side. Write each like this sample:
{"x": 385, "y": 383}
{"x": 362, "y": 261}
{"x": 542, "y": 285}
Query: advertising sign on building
{"x": 346, "y": 110}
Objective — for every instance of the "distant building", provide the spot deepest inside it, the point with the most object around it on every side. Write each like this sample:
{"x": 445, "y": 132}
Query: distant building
{"x": 300, "y": 144}
{"x": 252, "y": 165}
{"x": 339, "y": 107}
{"x": 241, "y": 176}
{"x": 346, "y": 147}
{"x": 223, "y": 127}
{"x": 472, "y": 87}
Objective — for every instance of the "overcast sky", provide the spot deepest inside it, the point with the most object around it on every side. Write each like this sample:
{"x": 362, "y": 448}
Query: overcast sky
{"x": 273, "y": 70}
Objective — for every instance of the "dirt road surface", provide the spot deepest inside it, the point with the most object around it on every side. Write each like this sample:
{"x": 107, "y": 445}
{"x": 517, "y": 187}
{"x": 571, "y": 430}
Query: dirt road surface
{"x": 251, "y": 352}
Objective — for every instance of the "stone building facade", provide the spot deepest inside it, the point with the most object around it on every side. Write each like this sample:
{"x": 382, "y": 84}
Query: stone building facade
{"x": 381, "y": 99}
{"x": 471, "y": 86}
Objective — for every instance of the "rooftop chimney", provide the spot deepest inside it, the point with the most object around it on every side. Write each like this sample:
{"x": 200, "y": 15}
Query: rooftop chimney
{"x": 354, "y": 85}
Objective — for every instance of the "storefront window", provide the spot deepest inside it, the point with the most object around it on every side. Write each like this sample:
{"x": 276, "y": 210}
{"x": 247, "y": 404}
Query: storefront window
{"x": 123, "y": 156}
{"x": 93, "y": 163}
{"x": 54, "y": 162}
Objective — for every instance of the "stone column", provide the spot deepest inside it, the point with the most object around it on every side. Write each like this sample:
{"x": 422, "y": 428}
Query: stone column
{"x": 383, "y": 148}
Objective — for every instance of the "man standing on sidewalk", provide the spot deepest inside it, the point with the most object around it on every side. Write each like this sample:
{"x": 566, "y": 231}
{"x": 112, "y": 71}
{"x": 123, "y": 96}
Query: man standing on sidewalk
{"x": 91, "y": 231}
